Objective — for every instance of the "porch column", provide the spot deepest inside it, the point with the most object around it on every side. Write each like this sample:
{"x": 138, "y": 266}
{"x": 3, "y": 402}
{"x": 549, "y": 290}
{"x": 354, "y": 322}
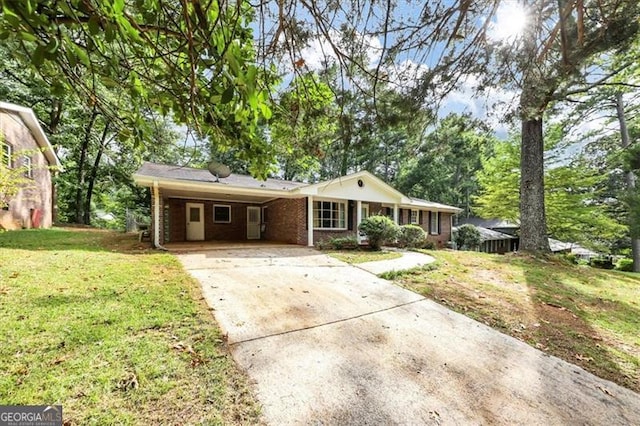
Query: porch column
{"x": 310, "y": 221}
{"x": 358, "y": 213}
{"x": 395, "y": 213}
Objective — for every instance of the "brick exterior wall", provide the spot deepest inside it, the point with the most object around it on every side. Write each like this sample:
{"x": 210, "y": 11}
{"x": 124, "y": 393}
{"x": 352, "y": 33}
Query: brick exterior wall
{"x": 38, "y": 196}
{"x": 286, "y": 221}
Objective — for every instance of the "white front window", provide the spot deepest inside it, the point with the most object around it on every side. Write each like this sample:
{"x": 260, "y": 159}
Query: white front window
{"x": 329, "y": 215}
{"x": 433, "y": 226}
{"x": 415, "y": 215}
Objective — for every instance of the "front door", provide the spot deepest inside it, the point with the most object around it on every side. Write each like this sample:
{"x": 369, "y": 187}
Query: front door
{"x": 195, "y": 222}
{"x": 253, "y": 223}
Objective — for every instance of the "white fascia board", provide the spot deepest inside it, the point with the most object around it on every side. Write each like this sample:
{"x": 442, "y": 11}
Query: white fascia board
{"x": 31, "y": 121}
{"x": 323, "y": 189}
{"x": 435, "y": 207}
{"x": 210, "y": 187}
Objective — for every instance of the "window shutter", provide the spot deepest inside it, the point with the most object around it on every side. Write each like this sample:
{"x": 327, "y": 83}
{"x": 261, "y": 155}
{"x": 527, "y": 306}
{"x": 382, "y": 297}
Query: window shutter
{"x": 429, "y": 223}
{"x": 350, "y": 215}
{"x": 400, "y": 217}
{"x": 306, "y": 214}
{"x": 439, "y": 222}
{"x": 420, "y": 217}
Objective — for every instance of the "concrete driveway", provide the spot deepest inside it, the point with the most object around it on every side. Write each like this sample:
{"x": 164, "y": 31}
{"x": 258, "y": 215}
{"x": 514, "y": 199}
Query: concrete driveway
{"x": 328, "y": 343}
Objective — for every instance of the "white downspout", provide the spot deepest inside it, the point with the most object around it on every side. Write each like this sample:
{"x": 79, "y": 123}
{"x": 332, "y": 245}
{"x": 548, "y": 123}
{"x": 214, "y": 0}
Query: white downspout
{"x": 156, "y": 217}
{"x": 358, "y": 220}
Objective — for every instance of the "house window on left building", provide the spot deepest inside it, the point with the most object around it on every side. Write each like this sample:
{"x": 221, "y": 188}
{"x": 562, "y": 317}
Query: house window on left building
{"x": 329, "y": 215}
{"x": 26, "y": 163}
{"x": 6, "y": 155}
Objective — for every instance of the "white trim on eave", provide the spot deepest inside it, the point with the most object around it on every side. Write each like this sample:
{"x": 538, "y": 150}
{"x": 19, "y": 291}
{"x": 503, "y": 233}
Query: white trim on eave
{"x": 31, "y": 121}
{"x": 210, "y": 187}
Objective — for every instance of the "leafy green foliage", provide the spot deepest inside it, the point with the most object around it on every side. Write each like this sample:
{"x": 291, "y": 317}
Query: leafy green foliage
{"x": 193, "y": 61}
{"x": 624, "y": 264}
{"x": 12, "y": 179}
{"x": 447, "y": 161}
{"x": 574, "y": 208}
{"x": 338, "y": 243}
{"x": 411, "y": 236}
{"x": 467, "y": 237}
{"x": 378, "y": 230}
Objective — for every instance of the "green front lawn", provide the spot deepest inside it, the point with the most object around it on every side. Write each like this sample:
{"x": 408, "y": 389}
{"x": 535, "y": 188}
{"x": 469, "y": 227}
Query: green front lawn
{"x": 586, "y": 316}
{"x": 362, "y": 256}
{"x": 112, "y": 331}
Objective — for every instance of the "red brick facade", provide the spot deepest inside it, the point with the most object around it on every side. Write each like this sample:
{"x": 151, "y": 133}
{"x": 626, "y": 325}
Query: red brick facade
{"x": 284, "y": 220}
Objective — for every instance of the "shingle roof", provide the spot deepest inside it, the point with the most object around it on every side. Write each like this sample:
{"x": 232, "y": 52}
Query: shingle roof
{"x": 419, "y": 202}
{"x": 491, "y": 235}
{"x": 163, "y": 171}
{"x": 488, "y": 223}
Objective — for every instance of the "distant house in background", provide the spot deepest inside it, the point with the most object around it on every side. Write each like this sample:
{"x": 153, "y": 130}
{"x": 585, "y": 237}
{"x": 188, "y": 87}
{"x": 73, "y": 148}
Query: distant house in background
{"x": 498, "y": 235}
{"x": 24, "y": 144}
{"x": 193, "y": 205}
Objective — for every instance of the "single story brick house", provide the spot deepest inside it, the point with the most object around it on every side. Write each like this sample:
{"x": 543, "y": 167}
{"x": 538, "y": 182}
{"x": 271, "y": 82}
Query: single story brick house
{"x": 25, "y": 146}
{"x": 193, "y": 205}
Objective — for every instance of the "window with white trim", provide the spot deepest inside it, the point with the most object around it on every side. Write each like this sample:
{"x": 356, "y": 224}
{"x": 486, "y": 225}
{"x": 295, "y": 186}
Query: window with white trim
{"x": 221, "y": 213}
{"x": 26, "y": 163}
{"x": 6, "y": 155}
{"x": 329, "y": 215}
{"x": 433, "y": 225}
{"x": 415, "y": 216}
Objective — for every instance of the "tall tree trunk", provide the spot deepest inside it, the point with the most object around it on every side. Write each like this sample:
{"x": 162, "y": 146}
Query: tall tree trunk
{"x": 93, "y": 175}
{"x": 533, "y": 224}
{"x": 81, "y": 172}
{"x": 630, "y": 177}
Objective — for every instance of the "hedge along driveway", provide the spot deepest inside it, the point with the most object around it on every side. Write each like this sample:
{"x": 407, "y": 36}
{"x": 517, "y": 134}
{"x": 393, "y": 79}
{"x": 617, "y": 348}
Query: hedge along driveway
{"x": 326, "y": 342}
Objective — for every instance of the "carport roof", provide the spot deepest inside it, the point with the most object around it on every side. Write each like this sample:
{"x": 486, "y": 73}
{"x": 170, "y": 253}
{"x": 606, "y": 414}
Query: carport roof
{"x": 153, "y": 171}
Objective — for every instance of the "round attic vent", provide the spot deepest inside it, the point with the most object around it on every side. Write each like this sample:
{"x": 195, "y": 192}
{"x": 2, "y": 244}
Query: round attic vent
{"x": 360, "y": 183}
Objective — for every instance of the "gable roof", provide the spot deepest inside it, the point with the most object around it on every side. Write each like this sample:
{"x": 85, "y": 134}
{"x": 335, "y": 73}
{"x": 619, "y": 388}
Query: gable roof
{"x": 201, "y": 181}
{"x": 29, "y": 118}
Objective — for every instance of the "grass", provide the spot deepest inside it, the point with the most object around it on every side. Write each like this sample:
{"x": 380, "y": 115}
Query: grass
{"x": 586, "y": 316}
{"x": 362, "y": 256}
{"x": 113, "y": 331}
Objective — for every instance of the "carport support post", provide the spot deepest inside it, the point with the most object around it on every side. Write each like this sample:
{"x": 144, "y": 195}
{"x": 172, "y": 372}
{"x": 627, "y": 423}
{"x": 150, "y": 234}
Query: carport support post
{"x": 310, "y": 221}
{"x": 395, "y": 213}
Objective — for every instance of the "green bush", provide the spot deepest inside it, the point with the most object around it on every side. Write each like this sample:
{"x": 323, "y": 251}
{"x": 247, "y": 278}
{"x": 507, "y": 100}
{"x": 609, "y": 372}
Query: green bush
{"x": 571, "y": 258}
{"x": 339, "y": 243}
{"x": 428, "y": 245}
{"x": 467, "y": 237}
{"x": 411, "y": 236}
{"x": 625, "y": 265}
{"x": 378, "y": 230}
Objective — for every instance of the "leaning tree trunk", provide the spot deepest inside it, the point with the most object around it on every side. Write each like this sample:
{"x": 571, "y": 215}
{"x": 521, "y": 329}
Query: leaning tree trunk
{"x": 629, "y": 175}
{"x": 94, "y": 175}
{"x": 533, "y": 224}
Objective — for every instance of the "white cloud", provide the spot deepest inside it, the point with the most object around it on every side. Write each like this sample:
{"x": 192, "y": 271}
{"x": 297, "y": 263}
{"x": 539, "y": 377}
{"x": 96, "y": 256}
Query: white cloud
{"x": 320, "y": 51}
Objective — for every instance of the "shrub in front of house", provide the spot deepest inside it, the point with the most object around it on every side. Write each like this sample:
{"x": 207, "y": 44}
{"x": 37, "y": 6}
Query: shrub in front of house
{"x": 411, "y": 236}
{"x": 467, "y": 237}
{"x": 624, "y": 264}
{"x": 378, "y": 230}
{"x": 428, "y": 245}
{"x": 339, "y": 243}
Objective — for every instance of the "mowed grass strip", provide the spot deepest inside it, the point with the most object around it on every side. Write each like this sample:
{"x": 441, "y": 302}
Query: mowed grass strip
{"x": 112, "y": 331}
{"x": 362, "y": 256}
{"x": 585, "y": 316}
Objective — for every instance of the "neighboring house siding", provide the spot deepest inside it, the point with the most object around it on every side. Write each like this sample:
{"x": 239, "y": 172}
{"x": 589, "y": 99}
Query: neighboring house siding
{"x": 37, "y": 198}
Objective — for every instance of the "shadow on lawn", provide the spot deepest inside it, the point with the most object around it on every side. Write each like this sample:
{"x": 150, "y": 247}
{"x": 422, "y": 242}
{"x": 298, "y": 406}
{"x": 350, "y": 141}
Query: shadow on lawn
{"x": 566, "y": 315}
{"x": 81, "y": 239}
